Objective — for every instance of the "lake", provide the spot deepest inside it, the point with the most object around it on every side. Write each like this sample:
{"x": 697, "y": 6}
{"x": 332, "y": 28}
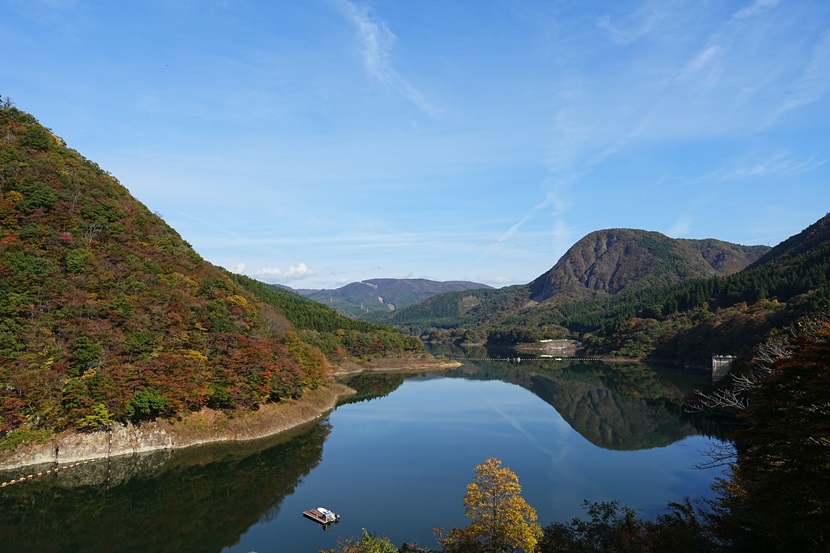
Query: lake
{"x": 395, "y": 460}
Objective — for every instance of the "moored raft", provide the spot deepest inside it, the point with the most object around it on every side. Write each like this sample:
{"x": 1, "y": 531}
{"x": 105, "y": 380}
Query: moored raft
{"x": 322, "y": 515}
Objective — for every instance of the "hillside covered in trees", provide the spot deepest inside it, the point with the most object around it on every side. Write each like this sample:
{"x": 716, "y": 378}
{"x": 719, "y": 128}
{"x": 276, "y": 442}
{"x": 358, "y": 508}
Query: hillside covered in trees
{"x": 607, "y": 262}
{"x": 108, "y": 315}
{"x": 655, "y": 314}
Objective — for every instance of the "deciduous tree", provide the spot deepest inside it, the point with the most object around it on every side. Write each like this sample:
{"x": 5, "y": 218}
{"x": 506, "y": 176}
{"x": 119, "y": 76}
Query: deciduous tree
{"x": 501, "y": 520}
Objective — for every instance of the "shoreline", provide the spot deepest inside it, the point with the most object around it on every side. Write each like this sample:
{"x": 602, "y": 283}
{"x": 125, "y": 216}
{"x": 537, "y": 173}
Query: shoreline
{"x": 201, "y": 428}
{"x": 206, "y": 426}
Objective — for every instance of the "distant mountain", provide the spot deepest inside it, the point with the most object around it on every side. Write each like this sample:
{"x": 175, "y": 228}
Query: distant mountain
{"x": 601, "y": 265}
{"x": 379, "y": 296}
{"x": 607, "y": 262}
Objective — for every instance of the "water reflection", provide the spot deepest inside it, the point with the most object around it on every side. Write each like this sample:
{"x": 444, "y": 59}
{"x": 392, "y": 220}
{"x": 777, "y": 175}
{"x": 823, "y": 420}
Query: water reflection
{"x": 418, "y": 443}
{"x": 625, "y": 406}
{"x": 193, "y": 500}
{"x": 371, "y": 386}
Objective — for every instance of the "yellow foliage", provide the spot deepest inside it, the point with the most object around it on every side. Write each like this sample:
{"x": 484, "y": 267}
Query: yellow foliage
{"x": 238, "y": 300}
{"x": 180, "y": 279}
{"x": 501, "y": 520}
{"x": 195, "y": 355}
{"x": 14, "y": 196}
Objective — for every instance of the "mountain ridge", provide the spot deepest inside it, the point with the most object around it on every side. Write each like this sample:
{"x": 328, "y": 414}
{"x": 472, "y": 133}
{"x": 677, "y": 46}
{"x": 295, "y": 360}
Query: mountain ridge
{"x": 609, "y": 261}
{"x": 369, "y": 298}
{"x": 602, "y": 264}
{"x": 810, "y": 237}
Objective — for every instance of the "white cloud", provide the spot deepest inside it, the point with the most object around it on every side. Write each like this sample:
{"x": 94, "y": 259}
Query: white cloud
{"x": 239, "y": 268}
{"x": 378, "y": 41}
{"x": 299, "y": 272}
{"x": 680, "y": 228}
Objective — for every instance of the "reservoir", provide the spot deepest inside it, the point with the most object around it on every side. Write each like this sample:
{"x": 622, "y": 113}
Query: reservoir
{"x": 395, "y": 460}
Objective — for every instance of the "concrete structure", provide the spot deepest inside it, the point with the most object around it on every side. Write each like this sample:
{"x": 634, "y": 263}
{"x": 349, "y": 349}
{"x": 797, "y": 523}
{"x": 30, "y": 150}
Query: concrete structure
{"x": 721, "y": 365}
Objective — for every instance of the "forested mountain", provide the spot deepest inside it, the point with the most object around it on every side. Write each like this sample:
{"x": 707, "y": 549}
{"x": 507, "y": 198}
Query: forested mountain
{"x": 600, "y": 265}
{"x": 108, "y": 315}
{"x": 607, "y": 262}
{"x": 814, "y": 236}
{"x": 371, "y": 299}
{"x": 718, "y": 314}
{"x": 669, "y": 311}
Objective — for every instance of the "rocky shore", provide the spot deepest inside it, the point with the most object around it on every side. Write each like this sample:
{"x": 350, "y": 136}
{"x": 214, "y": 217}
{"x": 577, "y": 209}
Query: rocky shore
{"x": 206, "y": 426}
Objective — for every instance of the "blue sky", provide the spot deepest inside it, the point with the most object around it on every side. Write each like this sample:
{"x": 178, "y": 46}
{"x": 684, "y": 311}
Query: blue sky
{"x": 319, "y": 142}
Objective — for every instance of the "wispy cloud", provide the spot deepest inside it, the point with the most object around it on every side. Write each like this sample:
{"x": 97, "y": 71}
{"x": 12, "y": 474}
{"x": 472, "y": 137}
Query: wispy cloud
{"x": 499, "y": 241}
{"x": 378, "y": 42}
{"x": 719, "y": 81}
{"x": 636, "y": 25}
{"x": 814, "y": 83}
{"x": 704, "y": 70}
{"x": 757, "y": 7}
{"x": 771, "y": 165}
{"x": 680, "y": 228}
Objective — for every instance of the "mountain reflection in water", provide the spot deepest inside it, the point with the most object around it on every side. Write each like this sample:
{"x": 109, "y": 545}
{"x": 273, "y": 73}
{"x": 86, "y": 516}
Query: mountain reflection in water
{"x": 415, "y": 438}
{"x": 624, "y": 406}
{"x": 202, "y": 499}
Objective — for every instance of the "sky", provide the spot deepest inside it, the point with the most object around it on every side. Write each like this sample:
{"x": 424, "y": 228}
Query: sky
{"x": 316, "y": 143}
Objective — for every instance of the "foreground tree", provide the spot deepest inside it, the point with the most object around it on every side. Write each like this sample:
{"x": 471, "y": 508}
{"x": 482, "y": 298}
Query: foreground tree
{"x": 613, "y": 527}
{"x": 779, "y": 496}
{"x": 501, "y": 520}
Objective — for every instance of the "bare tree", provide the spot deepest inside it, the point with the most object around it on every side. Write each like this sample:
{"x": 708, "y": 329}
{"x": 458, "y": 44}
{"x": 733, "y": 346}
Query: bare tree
{"x": 93, "y": 230}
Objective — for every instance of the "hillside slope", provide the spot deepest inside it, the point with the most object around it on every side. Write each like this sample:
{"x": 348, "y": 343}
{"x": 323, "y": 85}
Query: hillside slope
{"x": 694, "y": 318}
{"x": 607, "y": 262}
{"x": 601, "y": 265}
{"x": 108, "y": 315}
{"x": 813, "y": 236}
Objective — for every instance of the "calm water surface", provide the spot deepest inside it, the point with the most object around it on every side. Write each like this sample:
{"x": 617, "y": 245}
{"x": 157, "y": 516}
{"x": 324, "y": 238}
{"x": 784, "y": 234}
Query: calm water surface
{"x": 396, "y": 465}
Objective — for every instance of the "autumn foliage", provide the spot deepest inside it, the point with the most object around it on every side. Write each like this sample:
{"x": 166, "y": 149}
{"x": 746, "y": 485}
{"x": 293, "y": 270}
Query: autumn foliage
{"x": 500, "y": 518}
{"x": 778, "y": 496}
{"x": 107, "y": 314}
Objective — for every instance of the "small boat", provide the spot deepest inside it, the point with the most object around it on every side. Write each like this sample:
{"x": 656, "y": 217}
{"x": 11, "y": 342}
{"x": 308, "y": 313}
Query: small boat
{"x": 322, "y": 515}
